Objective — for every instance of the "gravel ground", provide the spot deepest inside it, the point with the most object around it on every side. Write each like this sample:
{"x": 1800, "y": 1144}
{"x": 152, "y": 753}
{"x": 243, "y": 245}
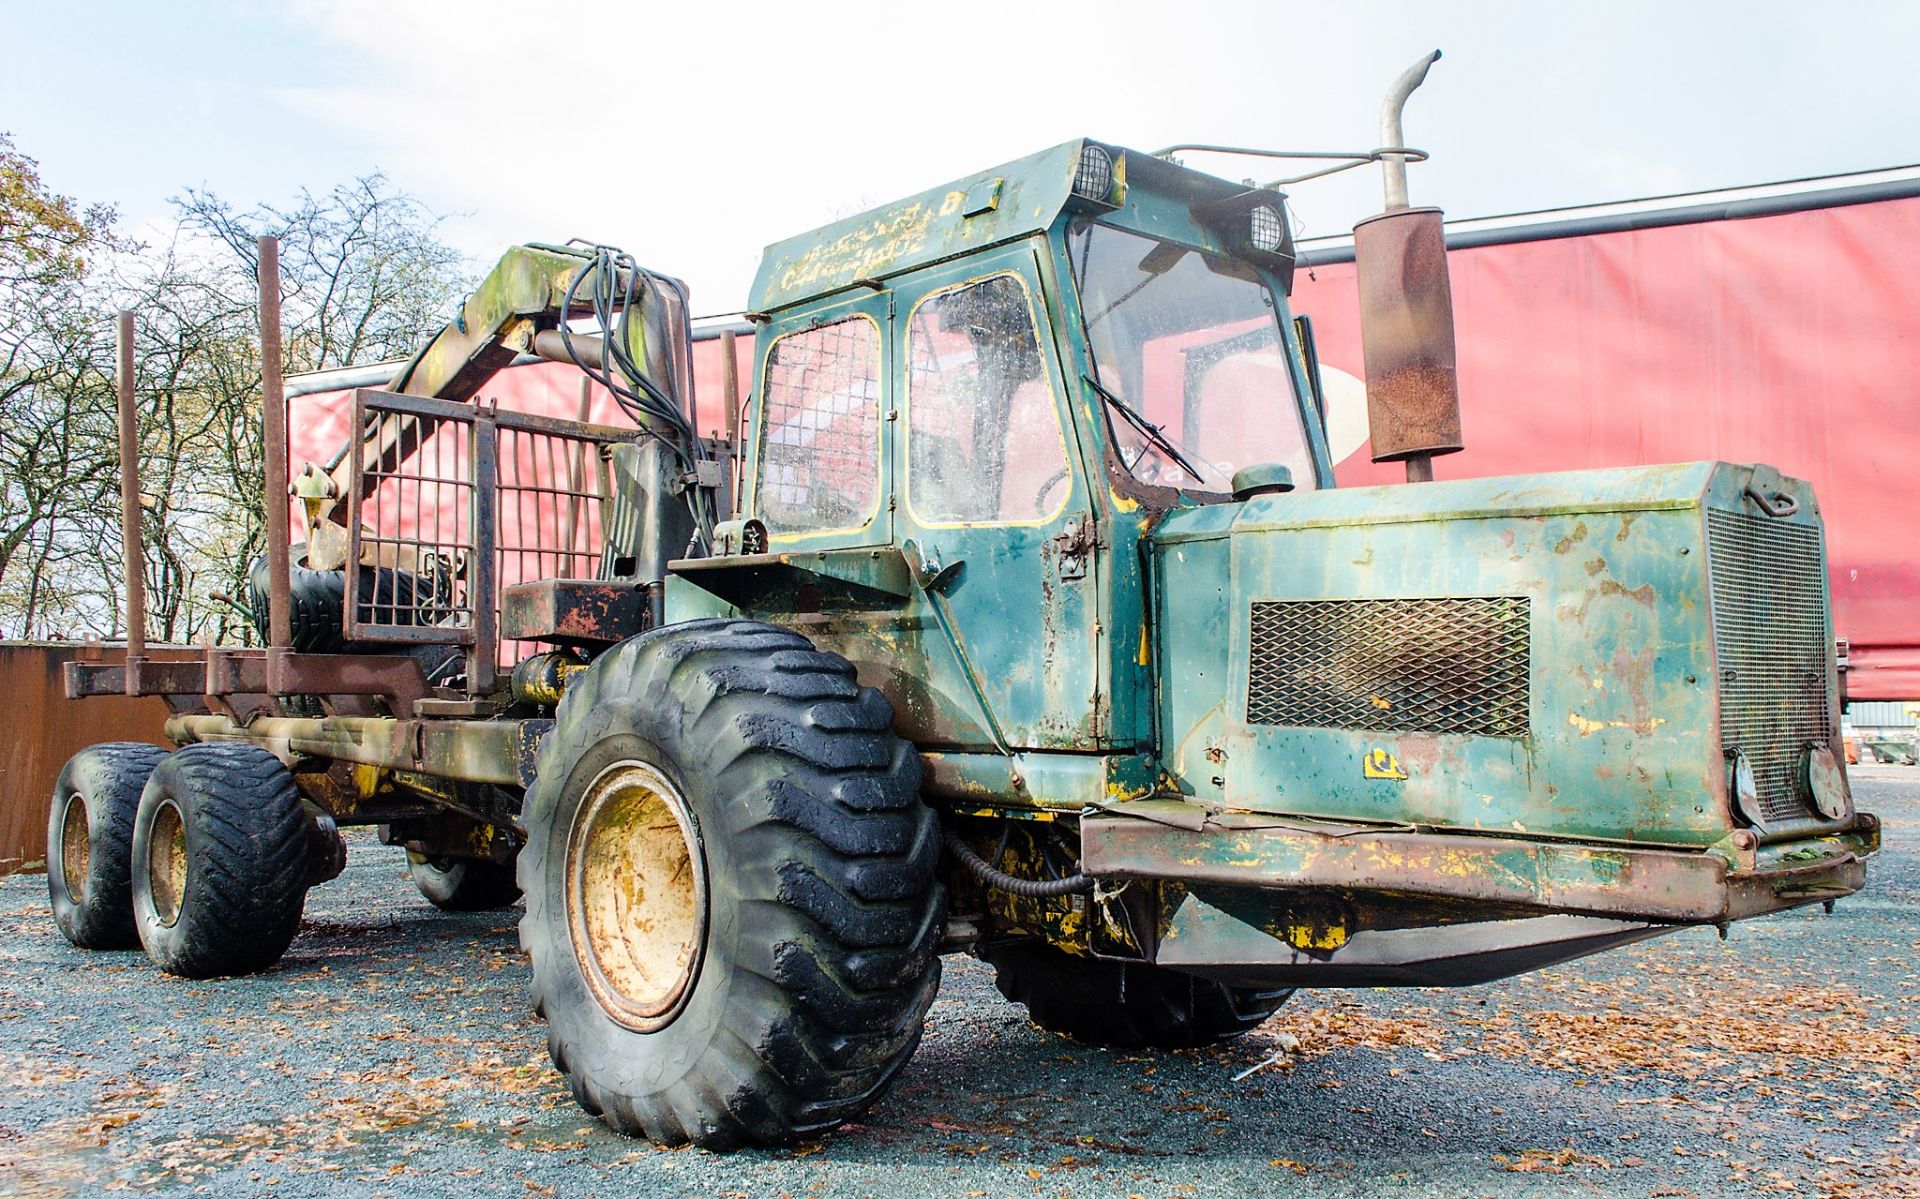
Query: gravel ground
{"x": 392, "y": 1053}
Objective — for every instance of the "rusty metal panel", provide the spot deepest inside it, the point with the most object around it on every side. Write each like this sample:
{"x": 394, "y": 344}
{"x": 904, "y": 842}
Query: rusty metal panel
{"x": 573, "y": 611}
{"x": 46, "y": 729}
{"x": 1172, "y": 839}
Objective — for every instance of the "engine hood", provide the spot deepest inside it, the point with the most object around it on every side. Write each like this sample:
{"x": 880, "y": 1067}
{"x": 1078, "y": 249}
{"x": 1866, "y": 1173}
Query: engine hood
{"x": 1568, "y": 655}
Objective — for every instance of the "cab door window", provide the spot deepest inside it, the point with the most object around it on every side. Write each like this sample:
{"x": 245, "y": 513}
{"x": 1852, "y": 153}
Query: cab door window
{"x": 820, "y": 441}
{"x": 983, "y": 439}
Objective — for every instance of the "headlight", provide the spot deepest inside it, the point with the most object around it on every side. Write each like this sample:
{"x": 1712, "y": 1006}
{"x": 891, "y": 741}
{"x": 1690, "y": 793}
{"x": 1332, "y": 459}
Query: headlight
{"x": 1266, "y": 231}
{"x": 1746, "y": 792}
{"x": 1093, "y": 180}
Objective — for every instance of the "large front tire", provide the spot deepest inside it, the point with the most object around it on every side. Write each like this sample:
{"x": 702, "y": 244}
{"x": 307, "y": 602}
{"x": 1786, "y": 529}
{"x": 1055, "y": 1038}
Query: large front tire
{"x": 732, "y": 909}
{"x": 221, "y": 861}
{"x": 1127, "y": 1005}
{"x": 90, "y": 840}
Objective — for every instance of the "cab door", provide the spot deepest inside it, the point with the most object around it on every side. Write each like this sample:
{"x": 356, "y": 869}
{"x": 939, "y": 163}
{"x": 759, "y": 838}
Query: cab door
{"x": 993, "y": 508}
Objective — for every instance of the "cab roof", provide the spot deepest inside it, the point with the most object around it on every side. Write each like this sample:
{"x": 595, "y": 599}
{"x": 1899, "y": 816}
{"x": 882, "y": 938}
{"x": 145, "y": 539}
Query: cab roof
{"x": 1009, "y": 201}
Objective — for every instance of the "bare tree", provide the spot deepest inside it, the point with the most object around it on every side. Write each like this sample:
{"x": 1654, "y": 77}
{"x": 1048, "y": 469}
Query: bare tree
{"x": 52, "y": 385}
{"x": 364, "y": 274}
{"x": 365, "y": 278}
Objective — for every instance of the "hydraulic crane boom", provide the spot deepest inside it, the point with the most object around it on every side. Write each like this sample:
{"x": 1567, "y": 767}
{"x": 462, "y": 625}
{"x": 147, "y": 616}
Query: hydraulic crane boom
{"x": 519, "y": 308}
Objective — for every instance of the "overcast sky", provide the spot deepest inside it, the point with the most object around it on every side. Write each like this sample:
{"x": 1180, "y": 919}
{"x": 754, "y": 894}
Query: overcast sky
{"x": 694, "y": 134}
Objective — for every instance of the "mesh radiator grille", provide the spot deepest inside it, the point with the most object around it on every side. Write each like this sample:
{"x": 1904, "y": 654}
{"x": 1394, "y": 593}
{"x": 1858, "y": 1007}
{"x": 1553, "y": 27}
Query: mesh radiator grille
{"x": 1770, "y": 635}
{"x": 1456, "y": 665}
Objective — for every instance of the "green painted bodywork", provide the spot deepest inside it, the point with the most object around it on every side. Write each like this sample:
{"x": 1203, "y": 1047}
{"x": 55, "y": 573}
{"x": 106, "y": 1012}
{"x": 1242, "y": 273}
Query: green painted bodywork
{"x": 1623, "y": 743}
{"x": 1101, "y": 656}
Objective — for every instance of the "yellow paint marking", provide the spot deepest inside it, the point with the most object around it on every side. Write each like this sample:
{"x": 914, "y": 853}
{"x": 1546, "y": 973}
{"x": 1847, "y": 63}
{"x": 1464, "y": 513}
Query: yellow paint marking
{"x": 1311, "y": 936}
{"x": 1380, "y": 764}
{"x": 1589, "y": 727}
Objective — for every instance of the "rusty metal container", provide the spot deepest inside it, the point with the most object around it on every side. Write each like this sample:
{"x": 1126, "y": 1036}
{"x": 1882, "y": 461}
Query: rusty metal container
{"x": 47, "y": 730}
{"x": 1406, "y": 329}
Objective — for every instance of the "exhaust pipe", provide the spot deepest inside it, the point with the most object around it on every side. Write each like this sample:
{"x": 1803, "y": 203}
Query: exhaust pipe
{"x": 1406, "y": 311}
{"x": 1391, "y": 136}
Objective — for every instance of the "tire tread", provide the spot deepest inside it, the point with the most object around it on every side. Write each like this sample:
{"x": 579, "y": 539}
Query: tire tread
{"x": 835, "y": 866}
{"x": 247, "y": 866}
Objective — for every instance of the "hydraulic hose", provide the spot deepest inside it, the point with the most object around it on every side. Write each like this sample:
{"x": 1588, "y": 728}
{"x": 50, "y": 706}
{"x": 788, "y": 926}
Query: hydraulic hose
{"x": 1031, "y": 888}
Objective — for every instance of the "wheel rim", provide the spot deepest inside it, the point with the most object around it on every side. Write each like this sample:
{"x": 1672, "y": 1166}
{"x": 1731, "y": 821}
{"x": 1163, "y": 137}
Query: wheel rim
{"x": 167, "y": 862}
{"x": 636, "y": 895}
{"x": 76, "y": 848}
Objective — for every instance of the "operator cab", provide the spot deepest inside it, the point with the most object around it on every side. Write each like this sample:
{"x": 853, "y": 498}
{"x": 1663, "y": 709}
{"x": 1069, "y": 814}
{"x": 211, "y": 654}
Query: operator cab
{"x": 1002, "y": 384}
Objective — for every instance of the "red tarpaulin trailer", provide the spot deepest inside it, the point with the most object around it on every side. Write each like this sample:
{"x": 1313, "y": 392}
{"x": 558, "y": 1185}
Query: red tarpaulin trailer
{"x": 1769, "y": 324}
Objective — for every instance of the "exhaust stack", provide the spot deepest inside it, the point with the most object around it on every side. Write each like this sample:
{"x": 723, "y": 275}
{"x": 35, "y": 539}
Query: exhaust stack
{"x": 1406, "y": 311}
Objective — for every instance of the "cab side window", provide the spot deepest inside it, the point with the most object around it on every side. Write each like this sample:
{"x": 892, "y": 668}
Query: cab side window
{"x": 820, "y": 441}
{"x": 983, "y": 437}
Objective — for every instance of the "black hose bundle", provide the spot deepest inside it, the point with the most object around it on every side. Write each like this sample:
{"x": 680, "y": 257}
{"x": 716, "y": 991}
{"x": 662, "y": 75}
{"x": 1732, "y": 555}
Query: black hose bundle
{"x": 613, "y": 297}
{"x": 1032, "y": 888}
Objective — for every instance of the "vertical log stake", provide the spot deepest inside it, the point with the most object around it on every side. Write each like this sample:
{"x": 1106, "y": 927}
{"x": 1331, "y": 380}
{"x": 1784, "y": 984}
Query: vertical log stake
{"x": 273, "y": 400}
{"x": 134, "y": 558}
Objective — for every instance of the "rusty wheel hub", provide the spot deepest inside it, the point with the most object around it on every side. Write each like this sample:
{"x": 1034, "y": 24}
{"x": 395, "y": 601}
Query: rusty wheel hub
{"x": 167, "y": 863}
{"x": 636, "y": 895}
{"x": 76, "y": 848}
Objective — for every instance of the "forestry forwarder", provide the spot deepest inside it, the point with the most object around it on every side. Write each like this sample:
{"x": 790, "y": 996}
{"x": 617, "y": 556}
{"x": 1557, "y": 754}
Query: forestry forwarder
{"x": 1023, "y": 620}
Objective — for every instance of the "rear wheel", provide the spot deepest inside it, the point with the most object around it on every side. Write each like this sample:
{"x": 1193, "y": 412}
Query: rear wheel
{"x": 463, "y": 884}
{"x": 1126, "y": 1004}
{"x": 220, "y": 861}
{"x": 732, "y": 909}
{"x": 90, "y": 840}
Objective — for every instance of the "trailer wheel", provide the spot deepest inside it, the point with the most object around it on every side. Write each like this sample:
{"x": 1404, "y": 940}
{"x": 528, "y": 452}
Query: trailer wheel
{"x": 732, "y": 907}
{"x": 220, "y": 861}
{"x": 1129, "y": 1005}
{"x": 90, "y": 840}
{"x": 463, "y": 884}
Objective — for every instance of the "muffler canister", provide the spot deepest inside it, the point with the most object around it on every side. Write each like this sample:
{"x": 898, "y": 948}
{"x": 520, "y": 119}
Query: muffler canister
{"x": 1406, "y": 330}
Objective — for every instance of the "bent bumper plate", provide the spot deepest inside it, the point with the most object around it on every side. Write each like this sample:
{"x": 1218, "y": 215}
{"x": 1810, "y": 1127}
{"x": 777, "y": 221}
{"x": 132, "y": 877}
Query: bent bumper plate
{"x": 1548, "y": 901}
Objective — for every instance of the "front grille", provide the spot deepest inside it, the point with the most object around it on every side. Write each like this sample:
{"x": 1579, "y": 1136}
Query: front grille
{"x": 1769, "y": 589}
{"x": 1456, "y": 665}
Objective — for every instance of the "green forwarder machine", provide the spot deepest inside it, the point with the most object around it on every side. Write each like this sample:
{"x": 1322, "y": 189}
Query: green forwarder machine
{"x": 1018, "y": 616}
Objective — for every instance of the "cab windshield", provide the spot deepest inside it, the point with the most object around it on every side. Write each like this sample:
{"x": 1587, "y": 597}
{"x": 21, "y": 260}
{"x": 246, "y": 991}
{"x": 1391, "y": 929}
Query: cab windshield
{"x": 1189, "y": 358}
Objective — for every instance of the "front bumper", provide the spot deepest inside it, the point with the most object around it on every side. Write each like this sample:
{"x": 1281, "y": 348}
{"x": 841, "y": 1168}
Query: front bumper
{"x": 1258, "y": 900}
{"x": 1177, "y": 841}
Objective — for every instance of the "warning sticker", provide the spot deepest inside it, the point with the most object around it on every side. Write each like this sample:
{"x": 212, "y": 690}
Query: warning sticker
{"x": 1380, "y": 764}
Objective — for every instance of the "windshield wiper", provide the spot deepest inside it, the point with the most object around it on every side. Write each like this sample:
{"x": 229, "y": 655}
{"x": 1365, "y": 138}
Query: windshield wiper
{"x": 1144, "y": 427}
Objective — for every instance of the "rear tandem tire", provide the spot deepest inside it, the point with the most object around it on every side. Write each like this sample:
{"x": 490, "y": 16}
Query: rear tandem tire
{"x": 220, "y": 861}
{"x": 726, "y": 786}
{"x": 463, "y": 884}
{"x": 1127, "y": 1005}
{"x": 90, "y": 841}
